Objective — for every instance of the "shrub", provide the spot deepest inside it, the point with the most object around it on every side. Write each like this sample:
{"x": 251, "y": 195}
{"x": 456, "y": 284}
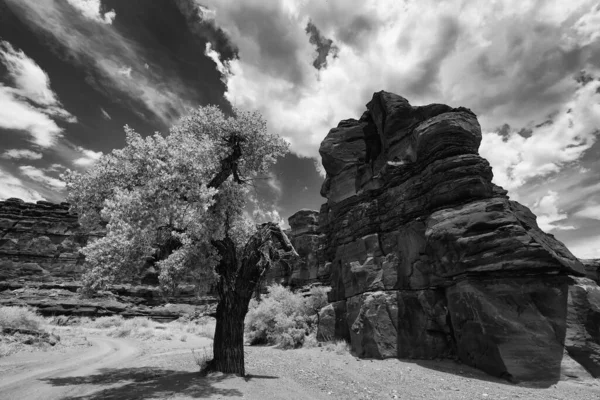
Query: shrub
{"x": 20, "y": 318}
{"x": 108, "y": 322}
{"x": 283, "y": 317}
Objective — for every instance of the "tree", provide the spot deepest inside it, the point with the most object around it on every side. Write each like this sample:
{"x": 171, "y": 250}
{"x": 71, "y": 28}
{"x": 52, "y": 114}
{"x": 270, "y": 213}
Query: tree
{"x": 179, "y": 201}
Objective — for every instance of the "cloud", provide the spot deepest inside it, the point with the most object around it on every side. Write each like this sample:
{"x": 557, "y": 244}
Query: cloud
{"x": 30, "y": 104}
{"x": 566, "y": 136}
{"x": 16, "y": 114}
{"x": 112, "y": 61}
{"x": 591, "y": 211}
{"x": 16, "y": 154}
{"x": 125, "y": 71}
{"x": 105, "y": 114}
{"x": 89, "y": 157}
{"x": 548, "y": 213}
{"x": 40, "y": 175}
{"x": 586, "y": 247}
{"x": 11, "y": 186}
{"x": 511, "y": 62}
{"x": 91, "y": 9}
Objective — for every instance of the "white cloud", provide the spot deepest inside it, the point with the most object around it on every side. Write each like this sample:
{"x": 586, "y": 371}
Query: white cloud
{"x": 39, "y": 175}
{"x": 591, "y": 211}
{"x": 105, "y": 114}
{"x": 516, "y": 159}
{"x": 511, "y": 62}
{"x": 91, "y": 10}
{"x": 548, "y": 213}
{"x": 16, "y": 114}
{"x": 111, "y": 57}
{"x": 31, "y": 103}
{"x": 125, "y": 71}
{"x": 586, "y": 247}
{"x": 11, "y": 186}
{"x": 16, "y": 154}
{"x": 89, "y": 157}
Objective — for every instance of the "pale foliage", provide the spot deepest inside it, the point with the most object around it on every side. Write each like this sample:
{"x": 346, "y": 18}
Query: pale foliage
{"x": 156, "y": 189}
{"x": 284, "y": 318}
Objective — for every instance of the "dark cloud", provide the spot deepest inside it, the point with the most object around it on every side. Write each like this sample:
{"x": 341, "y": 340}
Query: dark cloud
{"x": 202, "y": 25}
{"x": 357, "y": 31}
{"x": 324, "y": 45}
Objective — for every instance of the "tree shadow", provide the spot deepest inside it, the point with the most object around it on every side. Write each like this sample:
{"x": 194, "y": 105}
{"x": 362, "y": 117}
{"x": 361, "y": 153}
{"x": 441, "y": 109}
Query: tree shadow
{"x": 147, "y": 383}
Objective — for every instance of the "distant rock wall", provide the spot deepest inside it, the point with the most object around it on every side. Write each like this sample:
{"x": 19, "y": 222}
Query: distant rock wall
{"x": 40, "y": 266}
{"x": 39, "y": 242}
{"x": 428, "y": 258}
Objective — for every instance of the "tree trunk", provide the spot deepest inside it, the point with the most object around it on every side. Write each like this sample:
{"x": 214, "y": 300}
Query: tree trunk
{"x": 237, "y": 282}
{"x": 228, "y": 345}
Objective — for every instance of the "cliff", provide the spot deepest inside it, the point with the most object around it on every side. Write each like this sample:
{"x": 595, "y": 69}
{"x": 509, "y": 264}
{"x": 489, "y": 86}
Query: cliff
{"x": 428, "y": 258}
{"x": 40, "y": 266}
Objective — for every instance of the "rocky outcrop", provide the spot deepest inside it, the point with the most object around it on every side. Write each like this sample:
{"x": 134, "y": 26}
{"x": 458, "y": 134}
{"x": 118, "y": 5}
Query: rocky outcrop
{"x": 40, "y": 266}
{"x": 428, "y": 258}
{"x": 40, "y": 241}
{"x": 305, "y": 269}
{"x": 592, "y": 269}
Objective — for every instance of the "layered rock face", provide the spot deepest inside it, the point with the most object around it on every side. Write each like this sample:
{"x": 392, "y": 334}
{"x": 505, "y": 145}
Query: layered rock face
{"x": 40, "y": 266}
{"x": 428, "y": 258}
{"x": 40, "y": 240}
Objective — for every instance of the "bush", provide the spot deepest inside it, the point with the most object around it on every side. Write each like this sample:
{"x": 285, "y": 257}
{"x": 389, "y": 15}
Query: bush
{"x": 284, "y": 318}
{"x": 20, "y": 318}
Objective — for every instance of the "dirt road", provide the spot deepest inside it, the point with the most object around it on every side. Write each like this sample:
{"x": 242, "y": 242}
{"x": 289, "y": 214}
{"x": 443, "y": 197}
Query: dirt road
{"x": 29, "y": 376}
{"x": 113, "y": 368}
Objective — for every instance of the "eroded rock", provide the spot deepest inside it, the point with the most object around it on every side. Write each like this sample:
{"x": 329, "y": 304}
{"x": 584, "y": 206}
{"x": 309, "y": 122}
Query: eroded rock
{"x": 428, "y": 258}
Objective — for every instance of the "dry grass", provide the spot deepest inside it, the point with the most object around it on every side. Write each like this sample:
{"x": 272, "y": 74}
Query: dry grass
{"x": 202, "y": 357}
{"x": 32, "y": 328}
{"x": 146, "y": 329}
{"x": 338, "y": 346}
{"x": 20, "y": 318}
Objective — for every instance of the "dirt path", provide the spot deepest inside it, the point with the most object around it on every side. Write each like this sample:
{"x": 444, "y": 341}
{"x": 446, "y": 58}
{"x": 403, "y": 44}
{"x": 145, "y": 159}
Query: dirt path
{"x": 29, "y": 376}
{"x": 114, "y": 369}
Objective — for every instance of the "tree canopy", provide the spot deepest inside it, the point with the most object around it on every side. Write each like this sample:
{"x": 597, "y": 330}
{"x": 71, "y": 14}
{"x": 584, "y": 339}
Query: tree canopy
{"x": 173, "y": 198}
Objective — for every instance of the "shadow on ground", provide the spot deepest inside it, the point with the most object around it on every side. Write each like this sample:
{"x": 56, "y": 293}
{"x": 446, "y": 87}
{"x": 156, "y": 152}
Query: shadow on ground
{"x": 147, "y": 383}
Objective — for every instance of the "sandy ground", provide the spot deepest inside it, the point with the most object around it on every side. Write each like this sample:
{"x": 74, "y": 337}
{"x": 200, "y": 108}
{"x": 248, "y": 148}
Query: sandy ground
{"x": 101, "y": 367}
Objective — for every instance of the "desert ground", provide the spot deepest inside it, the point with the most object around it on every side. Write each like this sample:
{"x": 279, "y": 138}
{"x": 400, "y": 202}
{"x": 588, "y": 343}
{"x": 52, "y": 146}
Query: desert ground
{"x": 158, "y": 363}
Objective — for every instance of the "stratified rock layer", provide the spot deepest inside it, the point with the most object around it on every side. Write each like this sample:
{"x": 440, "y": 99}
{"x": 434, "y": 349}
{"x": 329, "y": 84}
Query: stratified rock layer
{"x": 40, "y": 266}
{"x": 428, "y": 258}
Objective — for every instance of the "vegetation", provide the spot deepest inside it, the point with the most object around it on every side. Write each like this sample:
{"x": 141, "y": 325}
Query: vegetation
{"x": 178, "y": 202}
{"x": 284, "y": 318}
{"x": 20, "y": 327}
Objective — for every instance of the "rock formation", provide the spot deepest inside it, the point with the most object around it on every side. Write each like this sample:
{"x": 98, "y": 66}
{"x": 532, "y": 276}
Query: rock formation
{"x": 428, "y": 258}
{"x": 592, "y": 269}
{"x": 40, "y": 266}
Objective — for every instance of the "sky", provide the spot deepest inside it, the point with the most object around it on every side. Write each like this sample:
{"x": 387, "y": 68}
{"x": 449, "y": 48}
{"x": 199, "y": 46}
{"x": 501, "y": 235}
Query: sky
{"x": 74, "y": 72}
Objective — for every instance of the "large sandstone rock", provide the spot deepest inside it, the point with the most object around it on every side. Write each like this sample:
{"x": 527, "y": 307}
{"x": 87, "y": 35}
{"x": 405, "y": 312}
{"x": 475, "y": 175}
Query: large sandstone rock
{"x": 428, "y": 258}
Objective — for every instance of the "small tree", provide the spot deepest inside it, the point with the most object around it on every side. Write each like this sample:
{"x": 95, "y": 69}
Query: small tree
{"x": 179, "y": 201}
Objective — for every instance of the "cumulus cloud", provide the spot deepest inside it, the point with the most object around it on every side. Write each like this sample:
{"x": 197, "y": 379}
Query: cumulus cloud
{"x": 91, "y": 9}
{"x": 511, "y": 62}
{"x": 563, "y": 139}
{"x": 548, "y": 213}
{"x": 30, "y": 104}
{"x": 40, "y": 176}
{"x": 89, "y": 157}
{"x": 112, "y": 60}
{"x": 11, "y": 186}
{"x": 16, "y": 154}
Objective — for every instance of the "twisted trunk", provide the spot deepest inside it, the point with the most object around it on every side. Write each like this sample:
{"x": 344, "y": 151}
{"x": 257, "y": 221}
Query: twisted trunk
{"x": 237, "y": 282}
